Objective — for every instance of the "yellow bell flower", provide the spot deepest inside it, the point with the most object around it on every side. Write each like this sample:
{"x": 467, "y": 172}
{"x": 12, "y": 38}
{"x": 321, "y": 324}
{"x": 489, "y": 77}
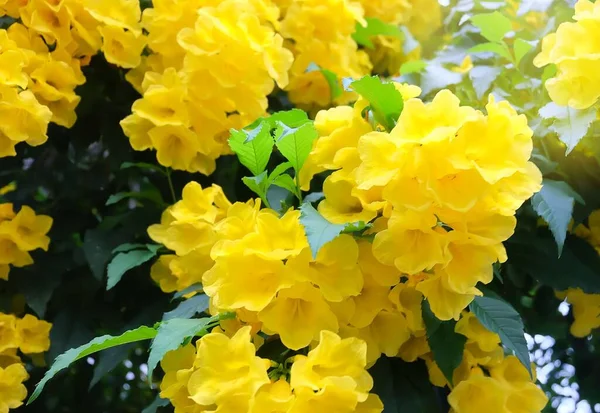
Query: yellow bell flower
{"x": 226, "y": 368}
{"x": 9, "y": 335}
{"x": 120, "y": 47}
{"x": 34, "y": 334}
{"x": 298, "y": 314}
{"x": 274, "y": 397}
{"x": 12, "y": 390}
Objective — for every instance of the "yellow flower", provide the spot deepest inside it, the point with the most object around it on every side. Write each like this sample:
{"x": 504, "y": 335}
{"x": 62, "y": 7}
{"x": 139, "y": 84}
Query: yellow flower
{"x": 250, "y": 282}
{"x": 332, "y": 377}
{"x": 298, "y": 314}
{"x": 28, "y": 230}
{"x": 178, "y": 367}
{"x": 120, "y": 13}
{"x": 395, "y": 12}
{"x": 444, "y": 301}
{"x": 470, "y": 327}
{"x": 340, "y": 206}
{"x": 123, "y": 48}
{"x": 12, "y": 390}
{"x": 384, "y": 275}
{"x": 274, "y": 397}
{"x": 335, "y": 270}
{"x": 523, "y": 395}
{"x": 477, "y": 394}
{"x": 465, "y": 66}
{"x": 573, "y": 50}
{"x": 9, "y": 336}
{"x": 34, "y": 334}
{"x": 136, "y": 129}
{"x": 10, "y": 252}
{"x": 208, "y": 204}
{"x": 227, "y": 367}
{"x": 586, "y": 311}
{"x": 425, "y": 19}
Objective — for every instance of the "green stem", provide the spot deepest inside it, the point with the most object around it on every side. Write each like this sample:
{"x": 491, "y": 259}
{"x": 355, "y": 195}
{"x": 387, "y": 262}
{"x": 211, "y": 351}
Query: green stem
{"x": 297, "y": 179}
{"x": 168, "y": 173}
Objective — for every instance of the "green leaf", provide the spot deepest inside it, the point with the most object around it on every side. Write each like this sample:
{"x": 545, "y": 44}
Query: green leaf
{"x": 279, "y": 170}
{"x": 413, "y": 66}
{"x": 128, "y": 247}
{"x": 318, "y": 230}
{"x": 579, "y": 261}
{"x": 437, "y": 77}
{"x": 554, "y": 203}
{"x": 501, "y": 318}
{"x": 253, "y": 147}
{"x": 403, "y": 387}
{"x": 98, "y": 344}
{"x": 500, "y": 49}
{"x": 257, "y": 184}
{"x": 521, "y": 48}
{"x": 493, "y": 26}
{"x": 153, "y": 407}
{"x": 292, "y": 118}
{"x": 197, "y": 287}
{"x": 482, "y": 78}
{"x": 447, "y": 345}
{"x": 386, "y": 102}
{"x": 151, "y": 195}
{"x": 571, "y": 125}
{"x": 285, "y": 181}
{"x": 296, "y": 143}
{"x": 330, "y": 77}
{"x": 188, "y": 308}
{"x": 171, "y": 334}
{"x": 125, "y": 261}
{"x": 356, "y": 227}
{"x": 375, "y": 27}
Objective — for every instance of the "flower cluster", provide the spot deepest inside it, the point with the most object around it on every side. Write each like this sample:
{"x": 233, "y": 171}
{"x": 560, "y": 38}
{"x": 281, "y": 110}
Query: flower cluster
{"x": 320, "y": 33}
{"x": 487, "y": 380}
{"x": 574, "y": 51}
{"x": 28, "y": 335}
{"x": 19, "y": 234}
{"x": 42, "y": 57}
{"x": 210, "y": 69}
{"x": 446, "y": 182}
{"x": 224, "y": 373}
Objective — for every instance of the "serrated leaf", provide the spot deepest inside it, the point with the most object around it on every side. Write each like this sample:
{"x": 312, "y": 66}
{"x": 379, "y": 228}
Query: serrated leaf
{"x": 171, "y": 334}
{"x": 285, "y": 181}
{"x": 375, "y": 27}
{"x": 493, "y": 26}
{"x": 356, "y": 226}
{"x": 571, "y": 125}
{"x": 153, "y": 407}
{"x": 498, "y": 48}
{"x": 482, "y": 78}
{"x": 521, "y": 48}
{"x": 98, "y": 344}
{"x": 554, "y": 203}
{"x": 292, "y": 118}
{"x": 257, "y": 184}
{"x": 279, "y": 170}
{"x": 314, "y": 197}
{"x": 413, "y": 66}
{"x": 253, "y": 147}
{"x": 318, "y": 230}
{"x": 386, "y": 102}
{"x": 436, "y": 77}
{"x": 447, "y": 345}
{"x": 501, "y": 318}
{"x": 125, "y": 261}
{"x": 296, "y": 143}
{"x": 188, "y": 308}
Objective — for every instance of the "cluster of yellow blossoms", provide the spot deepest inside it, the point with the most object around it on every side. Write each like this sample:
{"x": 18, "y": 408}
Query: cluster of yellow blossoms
{"x": 585, "y": 307}
{"x": 487, "y": 380}
{"x": 224, "y": 374}
{"x": 28, "y": 335}
{"x": 574, "y": 50}
{"x": 212, "y": 65}
{"x": 195, "y": 89}
{"x": 442, "y": 198}
{"x": 36, "y": 84}
{"x": 19, "y": 234}
{"x": 446, "y": 182}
